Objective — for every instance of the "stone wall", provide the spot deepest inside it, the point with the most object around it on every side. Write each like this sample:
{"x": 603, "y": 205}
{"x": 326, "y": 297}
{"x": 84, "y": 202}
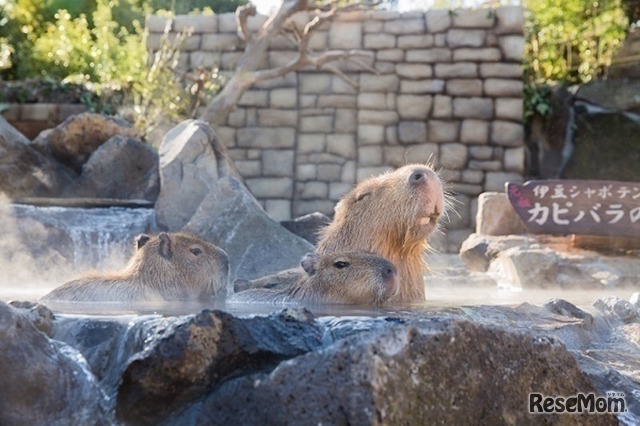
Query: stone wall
{"x": 448, "y": 90}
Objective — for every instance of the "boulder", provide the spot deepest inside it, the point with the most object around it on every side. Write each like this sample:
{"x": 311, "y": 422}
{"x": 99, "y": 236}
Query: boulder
{"x": 40, "y": 316}
{"x": 547, "y": 262}
{"x": 73, "y": 141}
{"x": 24, "y": 172}
{"x": 232, "y": 218}
{"x": 43, "y": 381}
{"x": 496, "y": 216}
{"x": 620, "y": 94}
{"x": 191, "y": 162}
{"x": 606, "y": 146}
{"x": 423, "y": 372}
{"x": 121, "y": 168}
{"x": 477, "y": 251}
{"x": 183, "y": 364}
{"x": 307, "y": 226}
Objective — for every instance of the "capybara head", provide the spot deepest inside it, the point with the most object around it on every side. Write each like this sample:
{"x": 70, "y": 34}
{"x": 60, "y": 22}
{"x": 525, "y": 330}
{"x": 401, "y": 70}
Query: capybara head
{"x": 391, "y": 215}
{"x": 180, "y": 266}
{"x": 347, "y": 278}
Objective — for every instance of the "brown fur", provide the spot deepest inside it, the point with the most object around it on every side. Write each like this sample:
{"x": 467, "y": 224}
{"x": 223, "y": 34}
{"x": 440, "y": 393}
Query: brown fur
{"x": 166, "y": 267}
{"x": 382, "y": 215}
{"x": 336, "y": 278}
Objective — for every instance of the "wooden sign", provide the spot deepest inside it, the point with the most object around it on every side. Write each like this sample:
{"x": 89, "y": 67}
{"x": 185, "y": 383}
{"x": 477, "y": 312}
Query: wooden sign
{"x": 590, "y": 207}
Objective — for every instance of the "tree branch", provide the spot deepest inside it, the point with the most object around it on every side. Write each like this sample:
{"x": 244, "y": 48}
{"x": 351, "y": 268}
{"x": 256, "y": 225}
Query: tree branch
{"x": 242, "y": 15}
{"x": 247, "y": 75}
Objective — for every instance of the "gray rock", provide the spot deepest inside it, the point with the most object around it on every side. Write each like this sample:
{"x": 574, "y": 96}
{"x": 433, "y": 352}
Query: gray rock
{"x": 43, "y": 381}
{"x": 307, "y": 226}
{"x": 617, "y": 308}
{"x": 232, "y": 219}
{"x": 191, "y": 161}
{"x": 179, "y": 366}
{"x": 620, "y": 94}
{"x": 40, "y": 316}
{"x": 24, "y": 172}
{"x": 496, "y": 216}
{"x": 419, "y": 373}
{"x": 72, "y": 142}
{"x": 547, "y": 262}
{"x": 121, "y": 168}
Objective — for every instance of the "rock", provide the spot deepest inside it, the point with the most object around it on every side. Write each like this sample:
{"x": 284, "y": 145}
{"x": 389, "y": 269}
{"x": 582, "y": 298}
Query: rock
{"x": 40, "y": 316}
{"x": 618, "y": 94}
{"x": 72, "y": 142}
{"x": 232, "y": 219}
{"x": 191, "y": 162}
{"x": 43, "y": 381}
{"x": 121, "y": 168}
{"x": 496, "y": 216}
{"x": 307, "y": 226}
{"x": 24, "y": 172}
{"x": 617, "y": 308}
{"x": 180, "y": 366}
{"x": 606, "y": 146}
{"x": 405, "y": 374}
{"x": 478, "y": 250}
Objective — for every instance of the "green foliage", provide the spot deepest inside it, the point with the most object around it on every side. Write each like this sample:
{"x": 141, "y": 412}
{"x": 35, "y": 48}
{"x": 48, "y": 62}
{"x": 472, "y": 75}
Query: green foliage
{"x": 100, "y": 44}
{"x": 568, "y": 42}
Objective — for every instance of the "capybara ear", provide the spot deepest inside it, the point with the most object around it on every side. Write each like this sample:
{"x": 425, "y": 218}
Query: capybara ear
{"x": 141, "y": 240}
{"x": 309, "y": 263}
{"x": 165, "y": 246}
{"x": 241, "y": 285}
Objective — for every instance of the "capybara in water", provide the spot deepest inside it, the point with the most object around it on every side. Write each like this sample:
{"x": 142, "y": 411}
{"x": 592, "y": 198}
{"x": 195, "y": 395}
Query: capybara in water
{"x": 391, "y": 215}
{"x": 171, "y": 266}
{"x": 350, "y": 278}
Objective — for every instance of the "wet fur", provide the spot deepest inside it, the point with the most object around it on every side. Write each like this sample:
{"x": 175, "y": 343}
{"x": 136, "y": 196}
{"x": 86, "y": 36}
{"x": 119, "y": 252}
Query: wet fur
{"x": 162, "y": 268}
{"x": 380, "y": 216}
{"x": 363, "y": 282}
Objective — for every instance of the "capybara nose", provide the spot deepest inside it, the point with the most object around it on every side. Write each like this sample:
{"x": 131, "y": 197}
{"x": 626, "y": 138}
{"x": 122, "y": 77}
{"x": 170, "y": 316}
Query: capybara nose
{"x": 417, "y": 177}
{"x": 389, "y": 271}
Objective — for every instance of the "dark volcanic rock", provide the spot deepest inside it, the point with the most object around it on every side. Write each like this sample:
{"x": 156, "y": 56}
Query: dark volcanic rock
{"x": 307, "y": 226}
{"x": 184, "y": 364}
{"x": 40, "y": 316}
{"x": 43, "y": 381}
{"x": 231, "y": 218}
{"x": 426, "y": 372}
{"x": 121, "y": 168}
{"x": 73, "y": 141}
{"x": 24, "y": 172}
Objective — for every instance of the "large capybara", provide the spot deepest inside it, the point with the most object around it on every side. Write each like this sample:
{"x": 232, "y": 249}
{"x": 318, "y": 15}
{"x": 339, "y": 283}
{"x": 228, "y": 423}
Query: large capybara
{"x": 350, "y": 278}
{"x": 391, "y": 215}
{"x": 170, "y": 266}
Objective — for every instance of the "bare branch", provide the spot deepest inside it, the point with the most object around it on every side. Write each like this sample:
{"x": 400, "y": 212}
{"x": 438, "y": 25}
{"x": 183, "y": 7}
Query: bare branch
{"x": 335, "y": 70}
{"x": 247, "y": 73}
{"x": 242, "y": 15}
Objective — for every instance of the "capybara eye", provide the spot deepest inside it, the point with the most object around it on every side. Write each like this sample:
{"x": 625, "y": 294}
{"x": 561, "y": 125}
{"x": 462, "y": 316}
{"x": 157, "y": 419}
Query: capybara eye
{"x": 341, "y": 264}
{"x": 196, "y": 251}
{"x": 417, "y": 177}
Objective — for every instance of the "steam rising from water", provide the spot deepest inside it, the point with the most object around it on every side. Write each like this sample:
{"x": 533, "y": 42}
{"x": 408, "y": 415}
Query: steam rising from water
{"x": 42, "y": 247}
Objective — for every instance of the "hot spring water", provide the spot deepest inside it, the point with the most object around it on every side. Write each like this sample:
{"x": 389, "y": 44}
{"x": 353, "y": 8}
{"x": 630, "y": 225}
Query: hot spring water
{"x": 42, "y": 247}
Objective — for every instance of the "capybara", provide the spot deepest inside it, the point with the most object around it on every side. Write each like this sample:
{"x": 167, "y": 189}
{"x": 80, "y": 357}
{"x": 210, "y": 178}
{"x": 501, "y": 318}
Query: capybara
{"x": 349, "y": 278}
{"x": 391, "y": 215}
{"x": 171, "y": 266}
